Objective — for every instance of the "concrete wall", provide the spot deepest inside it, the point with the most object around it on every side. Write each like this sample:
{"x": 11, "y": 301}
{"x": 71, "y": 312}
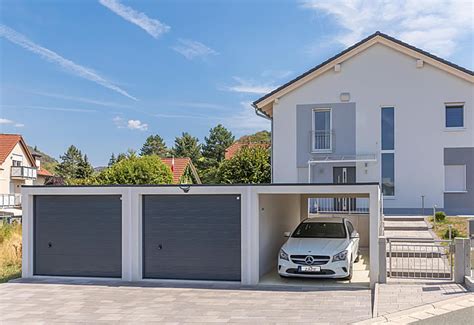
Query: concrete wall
{"x": 278, "y": 213}
{"x": 381, "y": 76}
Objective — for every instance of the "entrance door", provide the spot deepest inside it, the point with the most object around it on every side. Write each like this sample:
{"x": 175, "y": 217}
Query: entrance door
{"x": 344, "y": 175}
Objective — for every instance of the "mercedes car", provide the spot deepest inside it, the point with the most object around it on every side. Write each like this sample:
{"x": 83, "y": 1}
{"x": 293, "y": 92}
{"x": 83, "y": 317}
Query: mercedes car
{"x": 320, "y": 248}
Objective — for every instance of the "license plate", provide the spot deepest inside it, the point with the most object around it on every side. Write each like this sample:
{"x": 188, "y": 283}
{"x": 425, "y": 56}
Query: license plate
{"x": 310, "y": 268}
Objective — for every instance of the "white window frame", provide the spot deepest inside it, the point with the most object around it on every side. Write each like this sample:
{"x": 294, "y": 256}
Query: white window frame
{"x": 390, "y": 197}
{"x": 455, "y": 128}
{"x": 464, "y": 190}
{"x": 313, "y": 133}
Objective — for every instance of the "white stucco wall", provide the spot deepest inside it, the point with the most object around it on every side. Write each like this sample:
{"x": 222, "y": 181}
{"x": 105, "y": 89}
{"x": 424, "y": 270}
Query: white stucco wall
{"x": 7, "y": 185}
{"x": 381, "y": 76}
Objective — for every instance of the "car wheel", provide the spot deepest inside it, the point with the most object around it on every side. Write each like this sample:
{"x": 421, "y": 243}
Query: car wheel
{"x": 351, "y": 269}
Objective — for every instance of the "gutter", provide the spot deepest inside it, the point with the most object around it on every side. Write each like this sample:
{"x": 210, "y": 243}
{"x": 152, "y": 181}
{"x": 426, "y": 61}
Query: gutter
{"x": 265, "y": 116}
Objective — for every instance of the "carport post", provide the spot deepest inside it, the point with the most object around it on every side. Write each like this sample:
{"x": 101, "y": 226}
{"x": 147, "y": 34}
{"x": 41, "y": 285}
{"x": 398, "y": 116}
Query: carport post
{"x": 374, "y": 219}
{"x": 127, "y": 234}
{"x": 27, "y": 238}
{"x": 382, "y": 259}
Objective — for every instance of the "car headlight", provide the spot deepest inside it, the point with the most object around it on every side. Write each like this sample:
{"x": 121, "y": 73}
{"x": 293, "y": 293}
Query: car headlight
{"x": 340, "y": 256}
{"x": 283, "y": 255}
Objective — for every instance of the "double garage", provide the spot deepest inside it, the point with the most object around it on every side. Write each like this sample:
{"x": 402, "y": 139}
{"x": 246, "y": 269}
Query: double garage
{"x": 187, "y": 233}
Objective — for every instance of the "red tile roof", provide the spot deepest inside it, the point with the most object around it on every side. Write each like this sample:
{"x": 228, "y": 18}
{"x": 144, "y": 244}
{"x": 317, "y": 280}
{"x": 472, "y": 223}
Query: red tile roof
{"x": 8, "y": 142}
{"x": 236, "y": 146}
{"x": 180, "y": 165}
{"x": 44, "y": 172}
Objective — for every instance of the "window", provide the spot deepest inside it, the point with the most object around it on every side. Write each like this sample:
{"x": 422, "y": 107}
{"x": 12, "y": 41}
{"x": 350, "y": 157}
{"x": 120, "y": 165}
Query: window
{"x": 388, "y": 150}
{"x": 350, "y": 228}
{"x": 454, "y": 116}
{"x": 320, "y": 230}
{"x": 455, "y": 178}
{"x": 322, "y": 129}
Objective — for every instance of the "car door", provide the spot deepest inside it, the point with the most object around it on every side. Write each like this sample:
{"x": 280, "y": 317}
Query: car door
{"x": 353, "y": 238}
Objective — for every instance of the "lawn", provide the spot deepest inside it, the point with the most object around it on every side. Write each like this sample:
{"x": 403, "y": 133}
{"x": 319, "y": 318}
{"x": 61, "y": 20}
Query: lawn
{"x": 10, "y": 252}
{"x": 441, "y": 227}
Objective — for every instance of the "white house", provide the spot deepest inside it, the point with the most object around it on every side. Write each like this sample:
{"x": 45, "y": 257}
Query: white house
{"x": 381, "y": 110}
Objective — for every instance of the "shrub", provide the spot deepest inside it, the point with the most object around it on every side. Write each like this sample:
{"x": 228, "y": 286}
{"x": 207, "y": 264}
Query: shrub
{"x": 454, "y": 233}
{"x": 440, "y": 216}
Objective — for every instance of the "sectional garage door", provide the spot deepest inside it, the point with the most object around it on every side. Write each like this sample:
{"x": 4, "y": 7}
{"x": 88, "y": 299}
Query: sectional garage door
{"x": 78, "y": 235}
{"x": 193, "y": 237}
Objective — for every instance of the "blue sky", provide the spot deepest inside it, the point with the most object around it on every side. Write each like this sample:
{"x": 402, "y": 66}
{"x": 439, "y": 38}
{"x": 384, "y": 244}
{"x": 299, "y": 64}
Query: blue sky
{"x": 105, "y": 74}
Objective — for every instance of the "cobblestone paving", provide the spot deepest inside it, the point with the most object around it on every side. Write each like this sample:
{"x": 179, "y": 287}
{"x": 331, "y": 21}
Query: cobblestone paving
{"x": 113, "y": 303}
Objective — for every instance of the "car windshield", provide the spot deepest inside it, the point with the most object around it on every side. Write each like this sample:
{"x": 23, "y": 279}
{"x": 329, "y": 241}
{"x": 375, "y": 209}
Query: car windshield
{"x": 320, "y": 230}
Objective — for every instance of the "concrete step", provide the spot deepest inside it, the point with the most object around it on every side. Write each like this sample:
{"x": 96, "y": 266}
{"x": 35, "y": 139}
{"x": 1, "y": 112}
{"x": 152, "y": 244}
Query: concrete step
{"x": 419, "y": 274}
{"x": 405, "y": 225}
{"x": 404, "y": 218}
{"x": 408, "y": 234}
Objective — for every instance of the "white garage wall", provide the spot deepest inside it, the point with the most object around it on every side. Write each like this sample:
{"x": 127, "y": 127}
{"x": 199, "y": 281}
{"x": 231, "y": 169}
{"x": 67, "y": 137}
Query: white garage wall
{"x": 277, "y": 213}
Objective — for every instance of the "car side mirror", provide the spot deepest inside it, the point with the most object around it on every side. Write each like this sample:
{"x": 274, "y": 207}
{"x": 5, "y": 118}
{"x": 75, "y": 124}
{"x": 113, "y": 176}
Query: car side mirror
{"x": 286, "y": 234}
{"x": 355, "y": 235}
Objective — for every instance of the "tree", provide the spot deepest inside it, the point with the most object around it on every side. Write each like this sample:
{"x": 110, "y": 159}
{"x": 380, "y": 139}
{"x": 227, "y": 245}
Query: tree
{"x": 251, "y": 165}
{"x": 258, "y": 137}
{"x": 84, "y": 169}
{"x": 216, "y": 144}
{"x": 112, "y": 160}
{"x": 154, "y": 145}
{"x": 135, "y": 170}
{"x": 187, "y": 146}
{"x": 69, "y": 166}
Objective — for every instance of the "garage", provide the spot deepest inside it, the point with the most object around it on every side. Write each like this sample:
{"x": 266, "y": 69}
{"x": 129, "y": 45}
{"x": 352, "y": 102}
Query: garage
{"x": 193, "y": 237}
{"x": 79, "y": 235}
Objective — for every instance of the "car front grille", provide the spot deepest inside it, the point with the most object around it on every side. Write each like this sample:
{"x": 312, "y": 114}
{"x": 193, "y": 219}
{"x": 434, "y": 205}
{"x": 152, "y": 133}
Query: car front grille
{"x": 322, "y": 272}
{"x": 317, "y": 259}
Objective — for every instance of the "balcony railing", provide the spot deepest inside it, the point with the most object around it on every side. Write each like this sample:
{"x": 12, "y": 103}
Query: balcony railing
{"x": 10, "y": 200}
{"x": 23, "y": 172}
{"x": 321, "y": 141}
{"x": 344, "y": 205}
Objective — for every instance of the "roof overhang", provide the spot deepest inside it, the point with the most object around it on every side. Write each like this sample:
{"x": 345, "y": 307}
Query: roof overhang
{"x": 343, "y": 159}
{"x": 265, "y": 103}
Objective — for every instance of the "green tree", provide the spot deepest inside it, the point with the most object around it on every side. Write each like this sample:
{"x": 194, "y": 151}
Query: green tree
{"x": 112, "y": 160}
{"x": 258, "y": 137}
{"x": 251, "y": 165}
{"x": 84, "y": 169}
{"x": 135, "y": 170}
{"x": 154, "y": 145}
{"x": 69, "y": 166}
{"x": 216, "y": 144}
{"x": 187, "y": 146}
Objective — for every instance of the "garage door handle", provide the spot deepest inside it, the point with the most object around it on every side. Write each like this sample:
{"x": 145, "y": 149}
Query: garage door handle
{"x": 50, "y": 244}
{"x": 160, "y": 246}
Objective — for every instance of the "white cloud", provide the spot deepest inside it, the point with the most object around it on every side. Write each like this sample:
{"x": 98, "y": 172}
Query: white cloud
{"x": 81, "y": 99}
{"x": 245, "y": 120}
{"x": 433, "y": 25}
{"x": 250, "y": 87}
{"x": 50, "y": 108}
{"x": 277, "y": 74}
{"x": 4, "y": 121}
{"x": 64, "y": 63}
{"x": 152, "y": 26}
{"x": 121, "y": 123}
{"x": 191, "y": 49}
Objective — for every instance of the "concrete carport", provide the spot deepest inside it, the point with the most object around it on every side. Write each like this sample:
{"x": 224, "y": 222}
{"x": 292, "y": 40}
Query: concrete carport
{"x": 226, "y": 233}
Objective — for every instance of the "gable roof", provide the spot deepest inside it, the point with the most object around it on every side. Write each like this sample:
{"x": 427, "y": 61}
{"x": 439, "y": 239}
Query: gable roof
{"x": 8, "y": 143}
{"x": 377, "y": 37}
{"x": 180, "y": 165}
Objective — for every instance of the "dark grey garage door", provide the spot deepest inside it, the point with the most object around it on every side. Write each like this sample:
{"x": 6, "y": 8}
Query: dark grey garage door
{"x": 78, "y": 235}
{"x": 194, "y": 237}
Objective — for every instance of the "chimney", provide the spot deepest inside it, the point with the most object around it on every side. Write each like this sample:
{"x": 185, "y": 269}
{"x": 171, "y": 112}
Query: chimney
{"x": 37, "y": 160}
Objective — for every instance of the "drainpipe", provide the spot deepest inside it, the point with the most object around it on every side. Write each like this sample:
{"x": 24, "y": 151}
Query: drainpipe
{"x": 265, "y": 116}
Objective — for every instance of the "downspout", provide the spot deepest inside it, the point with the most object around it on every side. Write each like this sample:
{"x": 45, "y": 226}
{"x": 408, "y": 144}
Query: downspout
{"x": 263, "y": 115}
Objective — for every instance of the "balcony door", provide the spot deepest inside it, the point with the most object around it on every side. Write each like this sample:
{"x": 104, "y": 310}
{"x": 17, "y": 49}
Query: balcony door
{"x": 344, "y": 175}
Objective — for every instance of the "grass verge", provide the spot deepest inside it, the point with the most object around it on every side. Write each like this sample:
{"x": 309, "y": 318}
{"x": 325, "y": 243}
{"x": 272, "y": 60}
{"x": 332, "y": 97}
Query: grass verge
{"x": 10, "y": 252}
{"x": 440, "y": 228}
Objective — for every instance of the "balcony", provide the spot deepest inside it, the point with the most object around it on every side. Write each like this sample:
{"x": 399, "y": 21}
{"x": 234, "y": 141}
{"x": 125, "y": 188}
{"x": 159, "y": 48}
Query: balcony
{"x": 322, "y": 141}
{"x": 10, "y": 200}
{"x": 23, "y": 172}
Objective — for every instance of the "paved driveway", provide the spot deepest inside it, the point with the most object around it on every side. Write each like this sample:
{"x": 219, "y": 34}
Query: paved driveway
{"x": 76, "y": 301}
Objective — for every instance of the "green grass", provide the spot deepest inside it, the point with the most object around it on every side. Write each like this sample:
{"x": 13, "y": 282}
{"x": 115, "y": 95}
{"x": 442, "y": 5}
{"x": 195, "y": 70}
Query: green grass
{"x": 10, "y": 252}
{"x": 441, "y": 227}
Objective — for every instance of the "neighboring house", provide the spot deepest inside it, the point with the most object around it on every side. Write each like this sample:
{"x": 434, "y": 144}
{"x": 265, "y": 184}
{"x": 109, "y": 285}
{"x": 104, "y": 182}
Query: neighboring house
{"x": 381, "y": 110}
{"x": 236, "y": 146}
{"x": 183, "y": 170}
{"x": 17, "y": 167}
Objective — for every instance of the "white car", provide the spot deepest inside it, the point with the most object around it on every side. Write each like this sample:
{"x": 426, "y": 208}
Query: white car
{"x": 320, "y": 248}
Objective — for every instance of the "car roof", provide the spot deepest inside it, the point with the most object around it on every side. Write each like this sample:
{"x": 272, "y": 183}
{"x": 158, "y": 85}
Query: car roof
{"x": 325, "y": 219}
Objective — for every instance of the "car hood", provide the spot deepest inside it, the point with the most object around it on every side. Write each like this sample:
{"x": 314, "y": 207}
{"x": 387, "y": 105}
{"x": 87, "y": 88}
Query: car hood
{"x": 315, "y": 246}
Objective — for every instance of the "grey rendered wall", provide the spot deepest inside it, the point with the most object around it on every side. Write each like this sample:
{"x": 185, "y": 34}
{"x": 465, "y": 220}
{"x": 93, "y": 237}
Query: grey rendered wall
{"x": 78, "y": 235}
{"x": 192, "y": 237}
{"x": 460, "y": 203}
{"x": 343, "y": 126}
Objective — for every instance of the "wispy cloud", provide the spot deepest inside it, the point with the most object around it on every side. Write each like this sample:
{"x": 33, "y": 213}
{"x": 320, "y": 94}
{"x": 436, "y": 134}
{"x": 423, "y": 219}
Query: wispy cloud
{"x": 51, "y": 108}
{"x": 81, "y": 99}
{"x": 199, "y": 105}
{"x": 434, "y": 25}
{"x": 245, "y": 120}
{"x": 64, "y": 63}
{"x": 277, "y": 74}
{"x": 121, "y": 123}
{"x": 192, "y": 49}
{"x": 250, "y": 87}
{"x": 4, "y": 121}
{"x": 152, "y": 26}
{"x": 185, "y": 116}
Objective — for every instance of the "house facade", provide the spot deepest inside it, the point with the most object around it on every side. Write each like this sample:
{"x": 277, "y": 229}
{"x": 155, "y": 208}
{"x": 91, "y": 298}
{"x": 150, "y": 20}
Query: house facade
{"x": 18, "y": 166}
{"x": 380, "y": 111}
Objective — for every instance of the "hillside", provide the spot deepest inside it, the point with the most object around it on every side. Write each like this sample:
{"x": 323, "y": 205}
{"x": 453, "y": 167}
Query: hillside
{"x": 47, "y": 162}
{"x": 258, "y": 137}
